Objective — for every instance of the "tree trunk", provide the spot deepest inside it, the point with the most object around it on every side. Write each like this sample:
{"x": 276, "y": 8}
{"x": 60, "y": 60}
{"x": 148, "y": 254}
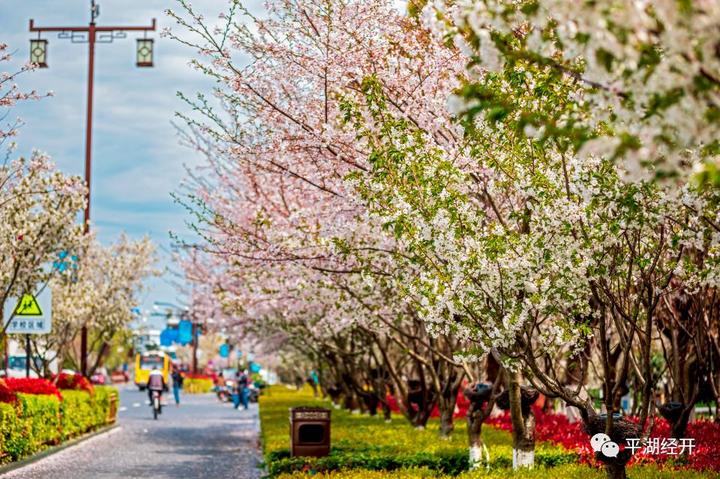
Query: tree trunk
{"x": 523, "y": 425}
{"x": 475, "y": 419}
{"x": 421, "y": 418}
{"x": 446, "y": 421}
{"x": 387, "y": 412}
{"x": 372, "y": 402}
{"x": 680, "y": 426}
{"x": 446, "y": 405}
{"x": 349, "y": 400}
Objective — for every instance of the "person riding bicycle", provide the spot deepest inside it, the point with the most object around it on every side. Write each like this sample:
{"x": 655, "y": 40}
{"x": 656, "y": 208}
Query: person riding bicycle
{"x": 156, "y": 382}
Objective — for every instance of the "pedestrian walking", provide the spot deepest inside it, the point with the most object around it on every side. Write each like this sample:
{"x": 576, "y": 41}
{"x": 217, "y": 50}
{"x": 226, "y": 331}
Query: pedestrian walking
{"x": 177, "y": 385}
{"x": 244, "y": 386}
{"x": 236, "y": 391}
{"x": 313, "y": 380}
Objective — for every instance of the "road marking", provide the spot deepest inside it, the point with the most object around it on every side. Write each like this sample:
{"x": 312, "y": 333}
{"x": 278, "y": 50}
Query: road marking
{"x": 136, "y": 404}
{"x": 122, "y": 408}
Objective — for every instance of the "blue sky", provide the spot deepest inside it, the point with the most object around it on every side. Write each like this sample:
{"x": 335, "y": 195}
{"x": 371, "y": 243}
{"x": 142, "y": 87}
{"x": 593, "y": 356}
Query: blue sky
{"x": 137, "y": 160}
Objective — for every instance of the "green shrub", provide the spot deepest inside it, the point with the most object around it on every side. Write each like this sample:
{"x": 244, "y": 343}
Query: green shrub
{"x": 82, "y": 412}
{"x": 38, "y": 421}
{"x": 13, "y": 440}
{"x": 76, "y": 412}
{"x": 106, "y": 402}
{"x": 450, "y": 463}
{"x": 41, "y": 415}
{"x": 446, "y": 462}
{"x": 28, "y": 426}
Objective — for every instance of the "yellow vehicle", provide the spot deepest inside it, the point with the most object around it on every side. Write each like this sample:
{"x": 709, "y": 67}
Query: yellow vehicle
{"x": 145, "y": 362}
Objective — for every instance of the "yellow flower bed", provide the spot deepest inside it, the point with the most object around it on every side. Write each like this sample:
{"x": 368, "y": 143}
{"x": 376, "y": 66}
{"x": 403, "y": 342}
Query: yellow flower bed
{"x": 197, "y": 385}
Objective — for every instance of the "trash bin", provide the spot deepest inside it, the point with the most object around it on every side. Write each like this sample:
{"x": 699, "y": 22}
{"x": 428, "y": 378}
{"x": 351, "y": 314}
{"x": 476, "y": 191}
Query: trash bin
{"x": 310, "y": 431}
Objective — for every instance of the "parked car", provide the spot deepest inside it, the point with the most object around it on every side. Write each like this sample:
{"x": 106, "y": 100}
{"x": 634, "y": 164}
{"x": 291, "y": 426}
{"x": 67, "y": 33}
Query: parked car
{"x": 100, "y": 377}
{"x": 119, "y": 376}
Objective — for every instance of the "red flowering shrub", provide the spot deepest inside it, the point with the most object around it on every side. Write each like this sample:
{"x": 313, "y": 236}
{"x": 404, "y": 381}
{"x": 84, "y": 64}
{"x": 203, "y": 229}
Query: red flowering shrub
{"x": 557, "y": 429}
{"x": 7, "y": 394}
{"x": 196, "y": 376}
{"x": 33, "y": 386}
{"x": 76, "y": 382}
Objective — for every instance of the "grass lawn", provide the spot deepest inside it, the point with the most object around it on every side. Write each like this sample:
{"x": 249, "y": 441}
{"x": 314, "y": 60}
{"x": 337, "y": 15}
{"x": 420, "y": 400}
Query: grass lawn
{"x": 367, "y": 447}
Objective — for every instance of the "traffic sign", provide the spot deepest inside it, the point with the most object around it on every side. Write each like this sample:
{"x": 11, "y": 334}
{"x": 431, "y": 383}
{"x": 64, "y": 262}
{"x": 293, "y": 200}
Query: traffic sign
{"x": 185, "y": 333}
{"x": 30, "y": 314}
{"x": 168, "y": 336}
{"x": 27, "y": 306}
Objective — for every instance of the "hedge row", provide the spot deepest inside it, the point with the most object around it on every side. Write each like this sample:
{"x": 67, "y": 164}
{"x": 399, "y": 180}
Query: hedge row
{"x": 38, "y": 421}
{"x": 448, "y": 462}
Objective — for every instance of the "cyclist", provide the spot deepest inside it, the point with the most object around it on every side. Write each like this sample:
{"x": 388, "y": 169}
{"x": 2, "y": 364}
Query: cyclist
{"x": 156, "y": 382}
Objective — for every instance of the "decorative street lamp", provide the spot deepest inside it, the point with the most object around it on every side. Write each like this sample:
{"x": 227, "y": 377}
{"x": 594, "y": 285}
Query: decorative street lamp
{"x": 91, "y": 35}
{"x": 144, "y": 52}
{"x": 38, "y": 52}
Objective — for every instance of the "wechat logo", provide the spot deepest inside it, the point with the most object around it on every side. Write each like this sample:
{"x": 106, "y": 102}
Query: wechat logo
{"x": 601, "y": 442}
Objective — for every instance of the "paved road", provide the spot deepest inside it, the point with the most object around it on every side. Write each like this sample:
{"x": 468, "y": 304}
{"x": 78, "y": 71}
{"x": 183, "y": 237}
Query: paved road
{"x": 203, "y": 438}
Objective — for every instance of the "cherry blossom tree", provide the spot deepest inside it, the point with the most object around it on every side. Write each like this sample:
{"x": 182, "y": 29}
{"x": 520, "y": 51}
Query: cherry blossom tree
{"x": 546, "y": 217}
{"x": 99, "y": 294}
{"x": 531, "y": 247}
{"x": 38, "y": 205}
{"x": 648, "y": 72}
{"x": 274, "y": 202}
{"x": 10, "y": 95}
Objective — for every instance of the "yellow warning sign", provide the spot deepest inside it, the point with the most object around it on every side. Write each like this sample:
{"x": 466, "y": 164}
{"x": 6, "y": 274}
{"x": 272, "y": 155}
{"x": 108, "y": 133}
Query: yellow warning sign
{"x": 28, "y": 306}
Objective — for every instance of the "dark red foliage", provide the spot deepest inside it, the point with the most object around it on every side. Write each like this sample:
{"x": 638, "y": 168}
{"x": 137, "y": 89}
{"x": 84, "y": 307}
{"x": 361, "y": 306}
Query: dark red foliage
{"x": 7, "y": 394}
{"x": 76, "y": 382}
{"x": 33, "y": 386}
{"x": 196, "y": 376}
{"x": 557, "y": 429}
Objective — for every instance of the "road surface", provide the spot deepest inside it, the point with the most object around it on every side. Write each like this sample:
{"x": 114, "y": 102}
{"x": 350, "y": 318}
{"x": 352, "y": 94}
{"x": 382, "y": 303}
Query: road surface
{"x": 203, "y": 438}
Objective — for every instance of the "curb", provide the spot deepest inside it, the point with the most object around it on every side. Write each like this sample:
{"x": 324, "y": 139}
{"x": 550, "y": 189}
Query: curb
{"x": 55, "y": 449}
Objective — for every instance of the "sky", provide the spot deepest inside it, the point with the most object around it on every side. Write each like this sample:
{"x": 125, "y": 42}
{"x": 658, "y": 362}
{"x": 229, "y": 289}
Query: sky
{"x": 137, "y": 159}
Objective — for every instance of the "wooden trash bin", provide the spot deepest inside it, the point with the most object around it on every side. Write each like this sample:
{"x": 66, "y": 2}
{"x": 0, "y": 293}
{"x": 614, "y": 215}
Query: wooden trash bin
{"x": 310, "y": 431}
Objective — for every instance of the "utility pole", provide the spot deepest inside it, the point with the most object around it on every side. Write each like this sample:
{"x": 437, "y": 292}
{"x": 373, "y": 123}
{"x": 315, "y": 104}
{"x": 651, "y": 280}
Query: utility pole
{"x": 28, "y": 355}
{"x": 90, "y": 34}
{"x": 195, "y": 346}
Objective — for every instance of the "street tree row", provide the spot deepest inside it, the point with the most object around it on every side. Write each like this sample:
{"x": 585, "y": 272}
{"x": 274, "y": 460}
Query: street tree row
{"x": 497, "y": 192}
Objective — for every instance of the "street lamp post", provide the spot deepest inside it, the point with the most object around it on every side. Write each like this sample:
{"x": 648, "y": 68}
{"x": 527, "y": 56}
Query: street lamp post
{"x": 195, "y": 341}
{"x": 90, "y": 34}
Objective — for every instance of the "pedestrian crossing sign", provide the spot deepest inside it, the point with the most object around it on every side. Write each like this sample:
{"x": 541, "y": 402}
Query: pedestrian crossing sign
{"x": 28, "y": 306}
